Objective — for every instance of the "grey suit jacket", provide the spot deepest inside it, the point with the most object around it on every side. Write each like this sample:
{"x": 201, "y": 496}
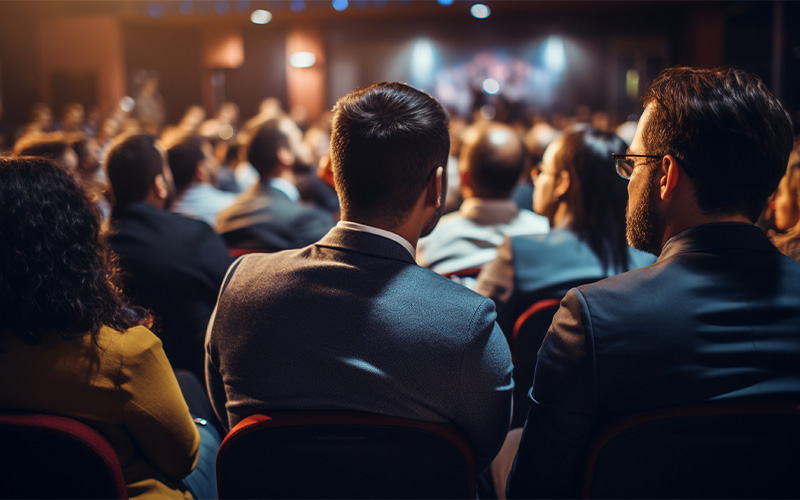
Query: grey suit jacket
{"x": 265, "y": 218}
{"x": 716, "y": 317}
{"x": 352, "y": 323}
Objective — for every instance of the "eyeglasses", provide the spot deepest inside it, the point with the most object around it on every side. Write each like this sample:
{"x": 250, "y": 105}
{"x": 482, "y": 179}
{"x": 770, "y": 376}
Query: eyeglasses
{"x": 625, "y": 164}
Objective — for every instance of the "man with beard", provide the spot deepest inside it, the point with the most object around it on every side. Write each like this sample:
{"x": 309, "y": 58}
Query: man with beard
{"x": 715, "y": 318}
{"x": 172, "y": 265}
{"x": 352, "y": 322}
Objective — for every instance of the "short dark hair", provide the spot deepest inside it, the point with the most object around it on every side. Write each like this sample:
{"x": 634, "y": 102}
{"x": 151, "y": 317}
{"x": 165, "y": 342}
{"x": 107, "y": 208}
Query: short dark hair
{"x": 494, "y": 170}
{"x": 57, "y": 271}
{"x": 385, "y": 141}
{"x": 183, "y": 158}
{"x": 729, "y": 132}
{"x": 132, "y": 164}
{"x": 262, "y": 150}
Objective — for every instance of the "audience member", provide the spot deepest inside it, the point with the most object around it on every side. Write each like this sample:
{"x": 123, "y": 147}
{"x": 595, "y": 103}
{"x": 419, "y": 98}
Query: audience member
{"x": 173, "y": 265}
{"x": 537, "y": 139}
{"x": 71, "y": 345}
{"x": 578, "y": 191}
{"x": 786, "y": 213}
{"x": 352, "y": 323}
{"x": 53, "y": 146}
{"x": 268, "y": 216}
{"x": 492, "y": 158}
{"x": 192, "y": 161}
{"x": 228, "y": 159}
{"x": 715, "y": 318}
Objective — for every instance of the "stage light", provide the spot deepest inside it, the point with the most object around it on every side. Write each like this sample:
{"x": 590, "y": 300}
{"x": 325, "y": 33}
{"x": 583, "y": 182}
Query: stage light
{"x": 340, "y": 5}
{"x": 226, "y": 132}
{"x": 555, "y": 58}
{"x": 302, "y": 60}
{"x": 156, "y": 10}
{"x": 222, "y": 7}
{"x": 445, "y": 2}
{"x": 261, "y": 16}
{"x": 422, "y": 63}
{"x": 298, "y": 5}
{"x": 491, "y": 86}
{"x": 186, "y": 7}
{"x": 127, "y": 103}
{"x": 480, "y": 11}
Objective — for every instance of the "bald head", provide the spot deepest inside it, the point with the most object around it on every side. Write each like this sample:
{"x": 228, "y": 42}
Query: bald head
{"x": 492, "y": 157}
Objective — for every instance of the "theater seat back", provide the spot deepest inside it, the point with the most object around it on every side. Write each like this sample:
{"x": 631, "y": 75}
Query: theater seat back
{"x": 739, "y": 449}
{"x": 343, "y": 455}
{"x": 50, "y": 456}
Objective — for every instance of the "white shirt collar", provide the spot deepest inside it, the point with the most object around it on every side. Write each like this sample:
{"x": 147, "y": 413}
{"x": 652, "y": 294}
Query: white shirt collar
{"x": 286, "y": 188}
{"x": 355, "y": 226}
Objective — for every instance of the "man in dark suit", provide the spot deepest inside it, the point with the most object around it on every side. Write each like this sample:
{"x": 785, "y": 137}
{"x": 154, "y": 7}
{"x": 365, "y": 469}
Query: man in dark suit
{"x": 716, "y": 317}
{"x": 173, "y": 265}
{"x": 351, "y": 322}
{"x": 268, "y": 216}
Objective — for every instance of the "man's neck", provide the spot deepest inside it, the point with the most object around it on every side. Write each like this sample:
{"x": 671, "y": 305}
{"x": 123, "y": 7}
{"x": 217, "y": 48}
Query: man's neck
{"x": 407, "y": 231}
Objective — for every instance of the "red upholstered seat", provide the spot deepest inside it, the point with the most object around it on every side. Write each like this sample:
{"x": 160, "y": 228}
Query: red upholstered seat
{"x": 50, "y": 456}
{"x": 327, "y": 454}
{"x": 526, "y": 338}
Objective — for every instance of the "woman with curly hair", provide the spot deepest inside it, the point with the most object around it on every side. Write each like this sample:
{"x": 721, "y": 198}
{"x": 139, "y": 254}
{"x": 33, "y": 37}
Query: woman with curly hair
{"x": 786, "y": 213}
{"x": 71, "y": 343}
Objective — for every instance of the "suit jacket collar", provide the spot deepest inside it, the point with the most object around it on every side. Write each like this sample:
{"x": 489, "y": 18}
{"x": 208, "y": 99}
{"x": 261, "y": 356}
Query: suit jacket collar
{"x": 366, "y": 243}
{"x": 717, "y": 236}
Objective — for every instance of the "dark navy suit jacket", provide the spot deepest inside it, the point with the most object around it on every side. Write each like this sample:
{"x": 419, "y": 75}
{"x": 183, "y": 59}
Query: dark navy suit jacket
{"x": 716, "y": 317}
{"x": 174, "y": 266}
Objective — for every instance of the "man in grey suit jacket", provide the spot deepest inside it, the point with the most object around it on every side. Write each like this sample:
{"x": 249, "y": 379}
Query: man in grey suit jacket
{"x": 716, "y": 317}
{"x": 268, "y": 216}
{"x": 351, "y": 322}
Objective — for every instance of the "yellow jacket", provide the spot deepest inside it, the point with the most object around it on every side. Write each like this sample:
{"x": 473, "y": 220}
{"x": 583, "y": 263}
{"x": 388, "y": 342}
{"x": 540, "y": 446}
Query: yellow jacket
{"x": 125, "y": 388}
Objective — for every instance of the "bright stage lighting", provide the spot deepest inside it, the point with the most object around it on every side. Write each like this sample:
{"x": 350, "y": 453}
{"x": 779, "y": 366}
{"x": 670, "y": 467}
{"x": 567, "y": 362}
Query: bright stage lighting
{"x": 491, "y": 86}
{"x": 302, "y": 60}
{"x": 480, "y": 11}
{"x": 555, "y": 58}
{"x": 261, "y": 16}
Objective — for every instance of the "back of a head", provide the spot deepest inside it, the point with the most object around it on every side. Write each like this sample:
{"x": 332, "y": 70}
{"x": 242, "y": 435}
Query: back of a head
{"x": 183, "y": 158}
{"x": 726, "y": 129}
{"x": 262, "y": 150}
{"x": 50, "y": 146}
{"x": 386, "y": 140}
{"x": 132, "y": 163}
{"x": 597, "y": 195}
{"x": 56, "y": 272}
{"x": 495, "y": 156}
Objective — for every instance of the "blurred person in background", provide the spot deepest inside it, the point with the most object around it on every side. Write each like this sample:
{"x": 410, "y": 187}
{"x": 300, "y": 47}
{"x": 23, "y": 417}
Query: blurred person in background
{"x": 268, "y": 215}
{"x": 173, "y": 265}
{"x": 584, "y": 199}
{"x": 192, "y": 162}
{"x": 492, "y": 158}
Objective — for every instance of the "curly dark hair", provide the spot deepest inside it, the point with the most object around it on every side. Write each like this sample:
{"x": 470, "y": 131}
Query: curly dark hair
{"x": 57, "y": 273}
